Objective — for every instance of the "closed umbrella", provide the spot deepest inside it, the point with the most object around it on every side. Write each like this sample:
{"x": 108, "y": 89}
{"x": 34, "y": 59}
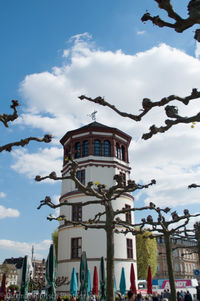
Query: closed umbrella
{"x": 89, "y": 283}
{"x": 132, "y": 279}
{"x": 83, "y": 277}
{"x": 95, "y": 282}
{"x": 25, "y": 279}
{"x": 51, "y": 274}
{"x": 149, "y": 281}
{"x": 122, "y": 285}
{"x": 115, "y": 285}
{"x": 3, "y": 287}
{"x": 102, "y": 280}
{"x": 73, "y": 283}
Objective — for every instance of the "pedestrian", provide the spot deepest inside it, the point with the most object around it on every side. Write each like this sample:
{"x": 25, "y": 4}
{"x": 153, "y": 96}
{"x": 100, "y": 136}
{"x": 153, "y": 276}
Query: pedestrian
{"x": 131, "y": 296}
{"x": 188, "y": 296}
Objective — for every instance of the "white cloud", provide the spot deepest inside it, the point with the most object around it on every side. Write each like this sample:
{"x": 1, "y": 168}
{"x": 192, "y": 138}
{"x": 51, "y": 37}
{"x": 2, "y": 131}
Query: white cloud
{"x": 2, "y": 195}
{"x": 197, "y": 50}
{"x": 8, "y": 212}
{"x": 124, "y": 80}
{"x": 24, "y": 248}
{"x": 56, "y": 198}
{"x": 141, "y": 32}
{"x": 41, "y": 163}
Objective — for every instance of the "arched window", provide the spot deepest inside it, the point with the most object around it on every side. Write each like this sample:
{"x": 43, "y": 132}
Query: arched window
{"x": 97, "y": 147}
{"x": 85, "y": 148}
{"x": 117, "y": 150}
{"x": 106, "y": 148}
{"x": 77, "y": 150}
{"x": 123, "y": 153}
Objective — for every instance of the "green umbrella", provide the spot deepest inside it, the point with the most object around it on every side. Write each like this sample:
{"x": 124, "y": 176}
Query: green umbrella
{"x": 51, "y": 274}
{"x": 25, "y": 279}
{"x": 83, "y": 277}
{"x": 102, "y": 280}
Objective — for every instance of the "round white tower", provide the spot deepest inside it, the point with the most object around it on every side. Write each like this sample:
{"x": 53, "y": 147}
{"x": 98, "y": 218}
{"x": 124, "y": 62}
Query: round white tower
{"x": 102, "y": 153}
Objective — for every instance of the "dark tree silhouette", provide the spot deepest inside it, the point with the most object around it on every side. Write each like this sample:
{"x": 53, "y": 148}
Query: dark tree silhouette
{"x": 180, "y": 24}
{"x": 6, "y": 118}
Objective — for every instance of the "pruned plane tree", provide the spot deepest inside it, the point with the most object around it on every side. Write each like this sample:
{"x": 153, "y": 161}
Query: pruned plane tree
{"x": 107, "y": 219}
{"x": 6, "y": 118}
{"x": 168, "y": 228}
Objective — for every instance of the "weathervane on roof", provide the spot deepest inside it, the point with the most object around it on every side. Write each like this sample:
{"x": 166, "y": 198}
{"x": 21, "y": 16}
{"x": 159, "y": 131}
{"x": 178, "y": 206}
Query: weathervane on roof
{"x": 93, "y": 115}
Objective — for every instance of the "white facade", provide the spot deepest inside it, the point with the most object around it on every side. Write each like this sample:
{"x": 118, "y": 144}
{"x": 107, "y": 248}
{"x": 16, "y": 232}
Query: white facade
{"x": 99, "y": 169}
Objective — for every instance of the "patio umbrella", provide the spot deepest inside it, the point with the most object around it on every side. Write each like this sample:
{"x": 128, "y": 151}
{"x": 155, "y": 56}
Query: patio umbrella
{"x": 51, "y": 274}
{"x": 95, "y": 282}
{"x": 25, "y": 279}
{"x": 132, "y": 279}
{"x": 122, "y": 285}
{"x": 149, "y": 281}
{"x": 73, "y": 283}
{"x": 89, "y": 283}
{"x": 115, "y": 285}
{"x": 102, "y": 280}
{"x": 3, "y": 287}
{"x": 83, "y": 277}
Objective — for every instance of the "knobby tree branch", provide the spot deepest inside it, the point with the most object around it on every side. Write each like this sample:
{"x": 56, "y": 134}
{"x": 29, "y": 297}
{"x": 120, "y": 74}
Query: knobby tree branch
{"x": 179, "y": 24}
{"x": 5, "y": 118}
{"x": 8, "y": 147}
{"x": 170, "y": 111}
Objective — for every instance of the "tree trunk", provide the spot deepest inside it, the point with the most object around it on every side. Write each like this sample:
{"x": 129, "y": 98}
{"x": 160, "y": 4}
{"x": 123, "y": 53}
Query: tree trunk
{"x": 170, "y": 267}
{"x": 110, "y": 254}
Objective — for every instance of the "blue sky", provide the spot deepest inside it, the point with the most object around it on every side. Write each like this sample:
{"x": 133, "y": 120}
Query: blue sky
{"x": 53, "y": 51}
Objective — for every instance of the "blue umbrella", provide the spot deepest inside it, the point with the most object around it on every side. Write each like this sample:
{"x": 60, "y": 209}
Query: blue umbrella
{"x": 122, "y": 286}
{"x": 115, "y": 285}
{"x": 73, "y": 283}
{"x": 89, "y": 283}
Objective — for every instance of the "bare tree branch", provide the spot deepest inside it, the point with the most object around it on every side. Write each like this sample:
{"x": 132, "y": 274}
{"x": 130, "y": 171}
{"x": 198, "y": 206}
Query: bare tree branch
{"x": 147, "y": 105}
{"x": 23, "y": 142}
{"x": 180, "y": 24}
{"x": 5, "y": 118}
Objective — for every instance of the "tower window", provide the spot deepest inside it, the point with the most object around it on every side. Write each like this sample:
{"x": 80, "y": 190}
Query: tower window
{"x": 117, "y": 151}
{"x": 106, "y": 148}
{"x": 128, "y": 214}
{"x": 81, "y": 176}
{"x": 129, "y": 244}
{"x": 85, "y": 148}
{"x": 97, "y": 147}
{"x": 77, "y": 150}
{"x": 123, "y": 153}
{"x": 76, "y": 247}
{"x": 76, "y": 212}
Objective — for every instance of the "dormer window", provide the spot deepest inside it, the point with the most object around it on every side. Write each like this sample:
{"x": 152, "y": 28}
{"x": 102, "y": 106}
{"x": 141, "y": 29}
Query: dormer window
{"x": 106, "y": 148}
{"x": 97, "y": 147}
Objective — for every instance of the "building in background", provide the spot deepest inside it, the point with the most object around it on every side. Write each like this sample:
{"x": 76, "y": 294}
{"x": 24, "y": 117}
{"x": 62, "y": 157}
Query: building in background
{"x": 39, "y": 268}
{"x": 12, "y": 267}
{"x": 184, "y": 260}
{"x": 102, "y": 153}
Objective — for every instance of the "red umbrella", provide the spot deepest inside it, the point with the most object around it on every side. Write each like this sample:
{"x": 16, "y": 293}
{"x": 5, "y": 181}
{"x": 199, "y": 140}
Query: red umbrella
{"x": 3, "y": 288}
{"x": 132, "y": 278}
{"x": 149, "y": 281}
{"x": 95, "y": 282}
